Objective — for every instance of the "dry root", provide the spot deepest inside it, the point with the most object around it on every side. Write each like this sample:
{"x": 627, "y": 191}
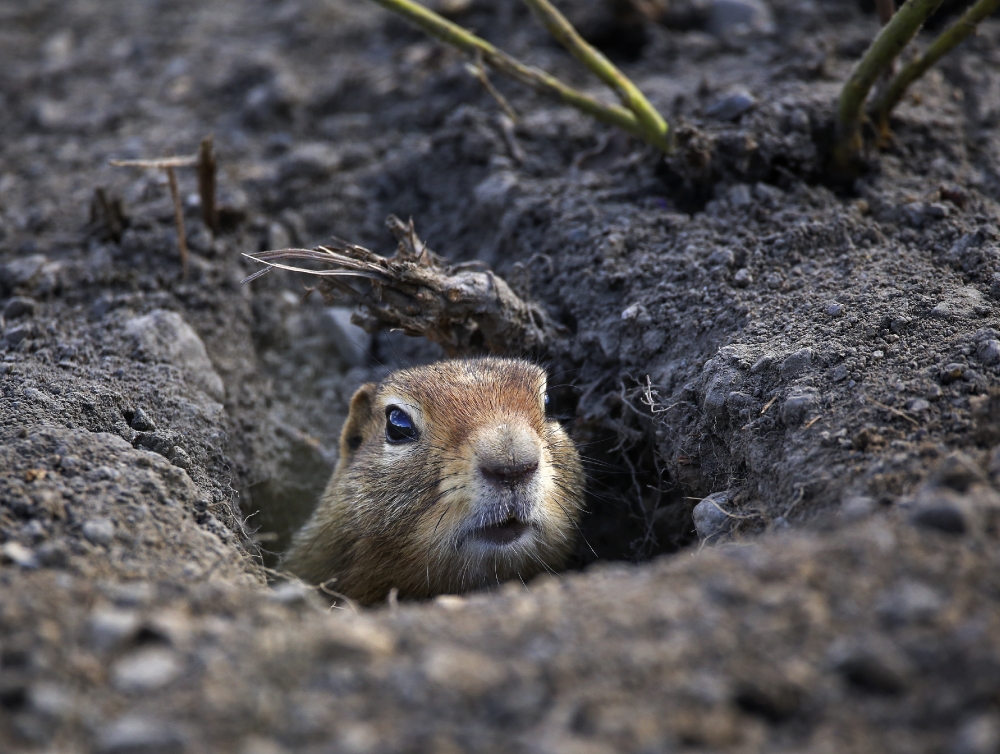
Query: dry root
{"x": 465, "y": 308}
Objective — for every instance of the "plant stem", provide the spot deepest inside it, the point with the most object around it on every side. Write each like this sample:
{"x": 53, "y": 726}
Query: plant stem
{"x": 893, "y": 37}
{"x": 603, "y": 68}
{"x": 537, "y": 79}
{"x": 946, "y": 41}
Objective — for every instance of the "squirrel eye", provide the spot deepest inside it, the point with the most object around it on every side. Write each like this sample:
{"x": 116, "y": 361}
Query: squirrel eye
{"x": 546, "y": 402}
{"x": 399, "y": 427}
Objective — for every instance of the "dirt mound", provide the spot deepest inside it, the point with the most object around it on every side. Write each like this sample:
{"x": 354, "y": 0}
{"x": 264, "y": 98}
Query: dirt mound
{"x": 800, "y": 371}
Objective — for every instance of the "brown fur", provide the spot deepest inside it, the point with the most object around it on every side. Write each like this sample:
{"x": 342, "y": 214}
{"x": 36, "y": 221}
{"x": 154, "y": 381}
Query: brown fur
{"x": 409, "y": 516}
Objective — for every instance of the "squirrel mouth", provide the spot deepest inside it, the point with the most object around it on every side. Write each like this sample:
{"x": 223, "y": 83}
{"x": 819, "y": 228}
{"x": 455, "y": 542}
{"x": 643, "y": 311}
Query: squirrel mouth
{"x": 505, "y": 533}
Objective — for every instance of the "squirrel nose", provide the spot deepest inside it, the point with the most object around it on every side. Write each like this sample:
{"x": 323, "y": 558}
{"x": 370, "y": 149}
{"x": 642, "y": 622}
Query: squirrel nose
{"x": 508, "y": 456}
{"x": 510, "y": 473}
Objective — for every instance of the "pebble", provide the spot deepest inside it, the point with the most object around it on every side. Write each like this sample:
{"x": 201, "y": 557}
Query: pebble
{"x": 15, "y": 335}
{"x": 913, "y": 213}
{"x": 857, "y": 507}
{"x": 111, "y": 626}
{"x": 989, "y": 352}
{"x": 141, "y": 422}
{"x": 146, "y": 669}
{"x": 740, "y": 17}
{"x": 951, "y": 372}
{"x": 722, "y": 258}
{"x": 99, "y": 531}
{"x": 742, "y": 278}
{"x": 979, "y": 735}
{"x": 880, "y": 668}
{"x": 917, "y": 405}
{"x": 19, "y": 306}
{"x": 796, "y": 363}
{"x": 164, "y": 335}
{"x": 941, "y": 516}
{"x": 730, "y": 107}
{"x": 963, "y": 303}
{"x": 798, "y": 405}
{"x": 909, "y": 602}
{"x": 711, "y": 521}
{"x": 739, "y": 196}
{"x": 21, "y": 271}
{"x": 15, "y": 552}
{"x": 834, "y": 310}
{"x": 312, "y": 162}
{"x": 140, "y": 735}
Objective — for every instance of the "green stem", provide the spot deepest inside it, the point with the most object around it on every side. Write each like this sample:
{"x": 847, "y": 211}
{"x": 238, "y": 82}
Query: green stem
{"x": 946, "y": 41}
{"x": 604, "y": 69}
{"x": 537, "y": 79}
{"x": 890, "y": 41}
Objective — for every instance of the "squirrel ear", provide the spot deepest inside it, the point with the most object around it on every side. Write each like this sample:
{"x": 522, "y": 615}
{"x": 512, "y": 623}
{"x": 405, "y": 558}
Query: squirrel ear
{"x": 361, "y": 411}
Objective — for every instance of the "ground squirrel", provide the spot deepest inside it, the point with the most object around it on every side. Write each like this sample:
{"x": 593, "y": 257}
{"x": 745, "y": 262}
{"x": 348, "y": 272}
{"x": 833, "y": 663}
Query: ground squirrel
{"x": 451, "y": 477}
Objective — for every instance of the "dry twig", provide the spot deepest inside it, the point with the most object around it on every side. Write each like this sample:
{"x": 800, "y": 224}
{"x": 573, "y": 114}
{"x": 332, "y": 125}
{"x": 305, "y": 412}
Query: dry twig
{"x": 205, "y": 162}
{"x": 465, "y": 311}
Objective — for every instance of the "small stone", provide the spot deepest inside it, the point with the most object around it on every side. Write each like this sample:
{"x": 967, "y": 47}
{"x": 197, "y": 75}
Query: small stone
{"x": 109, "y": 627}
{"x": 913, "y": 213}
{"x": 633, "y": 312}
{"x": 764, "y": 362}
{"x": 917, "y": 405}
{"x": 731, "y": 106}
{"x": 839, "y": 373}
{"x": 15, "y": 335}
{"x": 963, "y": 303}
{"x": 980, "y": 735}
{"x": 495, "y": 191}
{"x": 796, "y": 363}
{"x": 179, "y": 457}
{"x": 141, "y": 422}
{"x": 309, "y": 162}
{"x": 942, "y": 517}
{"x": 951, "y": 372}
{"x": 164, "y": 335}
{"x": 740, "y": 17}
{"x": 937, "y": 211}
{"x": 989, "y": 352}
{"x": 739, "y": 196}
{"x": 910, "y": 602}
{"x": 898, "y": 324}
{"x": 834, "y": 310}
{"x": 140, "y": 735}
{"x": 798, "y": 405}
{"x": 18, "y": 554}
{"x": 99, "y": 531}
{"x": 19, "y": 306}
{"x": 857, "y": 507}
{"x": 799, "y": 120}
{"x": 146, "y": 669}
{"x": 21, "y": 271}
{"x": 876, "y": 666}
{"x": 722, "y": 258}
{"x": 774, "y": 281}
{"x": 742, "y": 278}
{"x": 711, "y": 520}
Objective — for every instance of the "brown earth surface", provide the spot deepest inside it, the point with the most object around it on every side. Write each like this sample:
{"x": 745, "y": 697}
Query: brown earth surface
{"x": 815, "y": 362}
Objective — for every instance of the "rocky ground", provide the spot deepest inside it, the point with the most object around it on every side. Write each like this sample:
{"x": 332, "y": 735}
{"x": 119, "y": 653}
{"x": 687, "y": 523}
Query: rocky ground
{"x": 812, "y": 360}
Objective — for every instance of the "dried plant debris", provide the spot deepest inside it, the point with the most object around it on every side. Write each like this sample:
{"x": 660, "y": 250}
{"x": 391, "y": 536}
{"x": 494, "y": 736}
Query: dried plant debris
{"x": 465, "y": 308}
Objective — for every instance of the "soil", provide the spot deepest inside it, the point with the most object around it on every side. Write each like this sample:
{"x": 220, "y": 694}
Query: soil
{"x": 784, "y": 385}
